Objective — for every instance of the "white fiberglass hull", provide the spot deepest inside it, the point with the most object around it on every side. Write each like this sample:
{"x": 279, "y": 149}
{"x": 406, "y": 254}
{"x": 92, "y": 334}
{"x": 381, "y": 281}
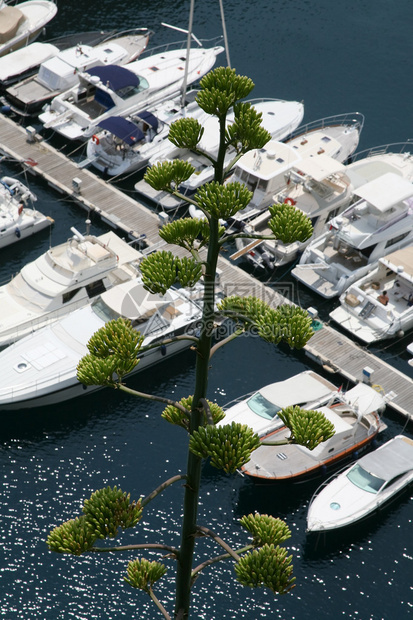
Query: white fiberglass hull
{"x": 36, "y": 14}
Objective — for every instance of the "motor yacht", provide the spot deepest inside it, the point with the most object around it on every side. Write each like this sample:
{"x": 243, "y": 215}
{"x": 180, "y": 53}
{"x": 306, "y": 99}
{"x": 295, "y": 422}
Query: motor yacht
{"x": 63, "y": 279}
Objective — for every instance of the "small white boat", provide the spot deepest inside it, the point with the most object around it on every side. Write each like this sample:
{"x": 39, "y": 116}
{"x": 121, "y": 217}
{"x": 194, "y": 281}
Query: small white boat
{"x": 18, "y": 217}
{"x": 22, "y": 23}
{"x": 356, "y": 419}
{"x": 24, "y": 62}
{"x": 61, "y": 71}
{"x": 379, "y": 223}
{"x": 41, "y": 369}
{"x": 380, "y": 304}
{"x": 279, "y": 118}
{"x": 63, "y": 279}
{"x": 113, "y": 90}
{"x": 363, "y": 488}
{"x": 259, "y": 409}
{"x": 321, "y": 189}
{"x": 125, "y": 144}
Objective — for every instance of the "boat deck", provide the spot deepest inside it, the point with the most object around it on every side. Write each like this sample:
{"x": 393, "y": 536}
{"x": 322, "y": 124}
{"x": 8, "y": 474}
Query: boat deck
{"x": 327, "y": 347}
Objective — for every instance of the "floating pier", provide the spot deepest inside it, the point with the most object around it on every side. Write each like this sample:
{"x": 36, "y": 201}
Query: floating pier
{"x": 327, "y": 347}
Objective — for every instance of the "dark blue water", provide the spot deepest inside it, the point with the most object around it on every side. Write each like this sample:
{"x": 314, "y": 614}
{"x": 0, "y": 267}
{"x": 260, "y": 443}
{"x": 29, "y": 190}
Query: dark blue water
{"x": 337, "y": 57}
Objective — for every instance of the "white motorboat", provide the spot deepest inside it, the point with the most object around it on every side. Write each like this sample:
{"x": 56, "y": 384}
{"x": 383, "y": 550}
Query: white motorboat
{"x": 22, "y": 23}
{"x": 363, "y": 488}
{"x": 379, "y": 223}
{"x": 380, "y": 304}
{"x": 279, "y": 118}
{"x": 356, "y": 420}
{"x": 113, "y": 90}
{"x": 122, "y": 145}
{"x": 321, "y": 189}
{"x": 24, "y": 62}
{"x": 259, "y": 409}
{"x": 18, "y": 217}
{"x": 41, "y": 369}
{"x": 63, "y": 279}
{"x": 61, "y": 72}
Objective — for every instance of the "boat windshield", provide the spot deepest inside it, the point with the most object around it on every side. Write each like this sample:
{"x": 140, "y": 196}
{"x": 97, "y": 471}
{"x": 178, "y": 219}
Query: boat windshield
{"x": 103, "y": 311}
{"x": 263, "y": 407}
{"x": 364, "y": 480}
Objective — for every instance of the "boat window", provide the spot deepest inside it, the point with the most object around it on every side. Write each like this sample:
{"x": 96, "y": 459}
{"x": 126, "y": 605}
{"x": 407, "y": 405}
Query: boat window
{"x": 69, "y": 295}
{"x": 263, "y": 407}
{"x": 332, "y": 214}
{"x": 95, "y": 288}
{"x": 397, "y": 239}
{"x": 364, "y": 480}
{"x": 103, "y": 311}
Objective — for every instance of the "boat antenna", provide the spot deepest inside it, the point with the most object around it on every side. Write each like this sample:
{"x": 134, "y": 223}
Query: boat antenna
{"x": 224, "y": 30}
{"x": 188, "y": 46}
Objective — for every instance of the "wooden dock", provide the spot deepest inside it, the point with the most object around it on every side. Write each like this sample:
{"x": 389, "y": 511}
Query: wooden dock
{"x": 328, "y": 347}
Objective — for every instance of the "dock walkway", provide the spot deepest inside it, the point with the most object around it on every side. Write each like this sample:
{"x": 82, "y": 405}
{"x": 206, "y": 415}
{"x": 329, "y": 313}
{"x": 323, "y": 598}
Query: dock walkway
{"x": 327, "y": 347}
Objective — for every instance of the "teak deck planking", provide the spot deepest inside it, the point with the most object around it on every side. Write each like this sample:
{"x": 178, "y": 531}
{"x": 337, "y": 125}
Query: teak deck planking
{"x": 328, "y": 347}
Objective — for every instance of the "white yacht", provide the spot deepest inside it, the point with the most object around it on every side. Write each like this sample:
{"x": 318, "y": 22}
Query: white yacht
{"x": 64, "y": 278}
{"x": 259, "y": 409}
{"x": 61, "y": 71}
{"x": 380, "y": 304}
{"x": 125, "y": 144}
{"x": 115, "y": 90}
{"x": 355, "y": 416}
{"x": 378, "y": 223}
{"x": 22, "y": 23}
{"x": 321, "y": 189}
{"x": 364, "y": 488}
{"x": 18, "y": 217}
{"x": 279, "y": 118}
{"x": 41, "y": 369}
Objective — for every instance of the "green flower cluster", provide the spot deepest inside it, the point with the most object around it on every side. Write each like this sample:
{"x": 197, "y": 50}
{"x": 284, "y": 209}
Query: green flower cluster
{"x": 268, "y": 566}
{"x": 105, "y": 512}
{"x": 229, "y": 446}
{"x": 175, "y": 416}
{"x": 289, "y": 224}
{"x": 142, "y": 574}
{"x": 265, "y": 529}
{"x": 308, "y": 428}
{"x": 162, "y": 269}
{"x": 113, "y": 352}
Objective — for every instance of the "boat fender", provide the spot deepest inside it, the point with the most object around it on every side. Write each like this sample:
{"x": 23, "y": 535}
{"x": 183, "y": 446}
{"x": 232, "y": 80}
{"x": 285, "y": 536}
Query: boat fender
{"x": 17, "y": 232}
{"x": 20, "y": 209}
{"x": 95, "y": 139}
{"x": 355, "y": 455}
{"x": 290, "y": 201}
{"x": 5, "y": 109}
{"x": 323, "y": 470}
{"x": 163, "y": 349}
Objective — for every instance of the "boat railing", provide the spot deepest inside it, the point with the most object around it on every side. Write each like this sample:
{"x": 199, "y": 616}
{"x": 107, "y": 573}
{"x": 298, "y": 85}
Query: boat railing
{"x": 325, "y": 483}
{"x": 128, "y": 32}
{"x": 179, "y": 45}
{"x": 355, "y": 119}
{"x": 394, "y": 147}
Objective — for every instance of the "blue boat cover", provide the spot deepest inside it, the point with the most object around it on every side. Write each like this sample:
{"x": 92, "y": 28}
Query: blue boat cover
{"x": 123, "y": 129}
{"x": 118, "y": 77}
{"x": 149, "y": 118}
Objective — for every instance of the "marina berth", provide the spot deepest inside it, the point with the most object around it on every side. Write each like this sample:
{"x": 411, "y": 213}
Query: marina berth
{"x": 106, "y": 91}
{"x": 63, "y": 279}
{"x": 364, "y": 488}
{"x": 279, "y": 117}
{"x": 22, "y": 23}
{"x": 321, "y": 189}
{"x": 18, "y": 217}
{"x": 380, "y": 304}
{"x": 378, "y": 223}
{"x": 62, "y": 70}
{"x": 41, "y": 368}
{"x": 356, "y": 419}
